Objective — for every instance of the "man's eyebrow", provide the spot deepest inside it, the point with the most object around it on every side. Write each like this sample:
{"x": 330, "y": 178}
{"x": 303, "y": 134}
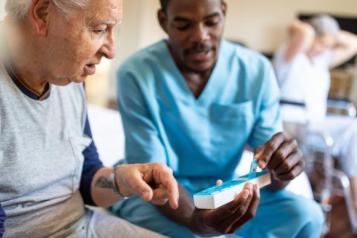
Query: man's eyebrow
{"x": 105, "y": 22}
{"x": 102, "y": 22}
{"x": 181, "y": 19}
{"x": 215, "y": 14}
{"x": 178, "y": 18}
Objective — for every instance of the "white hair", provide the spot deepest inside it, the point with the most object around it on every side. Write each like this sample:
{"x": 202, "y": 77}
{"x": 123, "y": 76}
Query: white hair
{"x": 324, "y": 24}
{"x": 18, "y": 9}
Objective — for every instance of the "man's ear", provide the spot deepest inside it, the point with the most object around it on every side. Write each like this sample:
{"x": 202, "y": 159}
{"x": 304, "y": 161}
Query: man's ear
{"x": 162, "y": 17}
{"x": 39, "y": 15}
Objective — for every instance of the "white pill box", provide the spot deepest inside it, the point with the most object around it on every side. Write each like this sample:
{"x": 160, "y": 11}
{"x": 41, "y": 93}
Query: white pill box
{"x": 219, "y": 195}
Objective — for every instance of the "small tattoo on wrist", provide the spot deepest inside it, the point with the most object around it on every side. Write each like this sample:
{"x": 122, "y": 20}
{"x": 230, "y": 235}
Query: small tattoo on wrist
{"x": 104, "y": 182}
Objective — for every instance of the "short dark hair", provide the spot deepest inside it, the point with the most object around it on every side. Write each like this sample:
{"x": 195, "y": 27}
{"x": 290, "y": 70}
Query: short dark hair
{"x": 164, "y": 4}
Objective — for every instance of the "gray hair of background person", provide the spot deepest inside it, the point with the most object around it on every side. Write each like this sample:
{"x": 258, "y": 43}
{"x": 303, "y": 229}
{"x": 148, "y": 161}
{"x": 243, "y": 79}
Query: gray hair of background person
{"x": 324, "y": 24}
{"x": 18, "y": 9}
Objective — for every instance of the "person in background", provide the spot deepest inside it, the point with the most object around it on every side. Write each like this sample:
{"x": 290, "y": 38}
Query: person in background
{"x": 303, "y": 71}
{"x": 49, "y": 165}
{"x": 193, "y": 102}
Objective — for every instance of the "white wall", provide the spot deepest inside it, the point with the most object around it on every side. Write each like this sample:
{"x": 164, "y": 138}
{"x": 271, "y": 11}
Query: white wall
{"x": 139, "y": 27}
{"x": 2, "y": 9}
{"x": 260, "y": 24}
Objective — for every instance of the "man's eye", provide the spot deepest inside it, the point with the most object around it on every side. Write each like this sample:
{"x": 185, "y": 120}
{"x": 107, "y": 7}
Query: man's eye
{"x": 213, "y": 22}
{"x": 182, "y": 27}
{"x": 100, "y": 31}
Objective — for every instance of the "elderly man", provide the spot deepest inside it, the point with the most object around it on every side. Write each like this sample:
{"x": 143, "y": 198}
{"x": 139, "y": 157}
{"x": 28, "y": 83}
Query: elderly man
{"x": 193, "y": 102}
{"x": 49, "y": 166}
{"x": 303, "y": 66}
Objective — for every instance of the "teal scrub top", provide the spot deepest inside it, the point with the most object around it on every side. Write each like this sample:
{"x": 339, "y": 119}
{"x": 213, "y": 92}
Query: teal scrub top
{"x": 201, "y": 139}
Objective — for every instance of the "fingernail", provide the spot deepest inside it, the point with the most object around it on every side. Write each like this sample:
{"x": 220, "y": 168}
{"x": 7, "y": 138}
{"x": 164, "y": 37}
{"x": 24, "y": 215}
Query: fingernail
{"x": 261, "y": 164}
{"x": 146, "y": 195}
{"x": 258, "y": 153}
{"x": 245, "y": 194}
{"x": 250, "y": 186}
{"x": 257, "y": 156}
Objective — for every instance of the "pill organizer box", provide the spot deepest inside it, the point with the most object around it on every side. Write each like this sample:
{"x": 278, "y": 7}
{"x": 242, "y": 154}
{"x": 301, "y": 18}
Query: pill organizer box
{"x": 219, "y": 195}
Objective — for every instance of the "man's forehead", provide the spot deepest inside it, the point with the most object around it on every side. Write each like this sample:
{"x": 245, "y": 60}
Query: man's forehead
{"x": 193, "y": 6}
{"x": 106, "y": 11}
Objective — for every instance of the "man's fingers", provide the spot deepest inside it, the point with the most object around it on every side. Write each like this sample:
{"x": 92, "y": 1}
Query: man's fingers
{"x": 268, "y": 149}
{"x": 163, "y": 176}
{"x": 259, "y": 156}
{"x": 293, "y": 173}
{"x": 159, "y": 202}
{"x": 242, "y": 204}
{"x": 221, "y": 215}
{"x": 160, "y": 196}
{"x": 142, "y": 179}
{"x": 139, "y": 186}
{"x": 251, "y": 211}
{"x": 290, "y": 162}
{"x": 282, "y": 153}
{"x": 160, "y": 193}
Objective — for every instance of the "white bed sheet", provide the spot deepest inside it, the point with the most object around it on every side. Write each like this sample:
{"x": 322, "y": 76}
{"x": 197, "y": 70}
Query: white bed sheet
{"x": 108, "y": 134}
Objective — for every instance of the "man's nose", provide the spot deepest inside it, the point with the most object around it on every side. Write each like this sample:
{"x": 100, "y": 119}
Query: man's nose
{"x": 200, "y": 34}
{"x": 108, "y": 49}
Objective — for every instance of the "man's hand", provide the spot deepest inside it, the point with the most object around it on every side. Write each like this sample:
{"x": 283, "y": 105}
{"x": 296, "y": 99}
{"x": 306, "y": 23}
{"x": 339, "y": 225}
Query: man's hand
{"x": 281, "y": 156}
{"x": 153, "y": 182}
{"x": 227, "y": 218}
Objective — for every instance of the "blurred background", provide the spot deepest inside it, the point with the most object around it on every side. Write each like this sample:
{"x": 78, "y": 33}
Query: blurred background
{"x": 260, "y": 25}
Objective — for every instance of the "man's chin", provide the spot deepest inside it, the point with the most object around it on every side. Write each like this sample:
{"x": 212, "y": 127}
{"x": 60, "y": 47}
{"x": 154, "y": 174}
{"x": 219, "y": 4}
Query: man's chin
{"x": 202, "y": 67}
{"x": 66, "y": 81}
{"x": 78, "y": 79}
